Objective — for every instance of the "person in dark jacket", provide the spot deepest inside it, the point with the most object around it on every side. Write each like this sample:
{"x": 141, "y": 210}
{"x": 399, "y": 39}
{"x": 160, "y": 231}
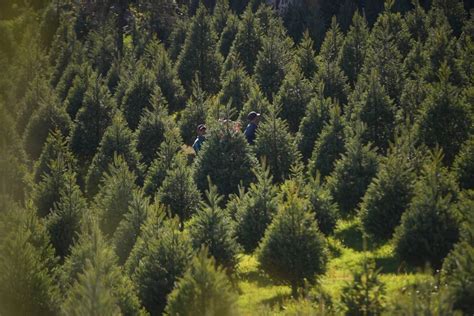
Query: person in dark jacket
{"x": 253, "y": 118}
{"x": 201, "y": 131}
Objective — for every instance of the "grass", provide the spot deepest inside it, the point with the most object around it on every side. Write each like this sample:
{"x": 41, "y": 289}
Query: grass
{"x": 259, "y": 293}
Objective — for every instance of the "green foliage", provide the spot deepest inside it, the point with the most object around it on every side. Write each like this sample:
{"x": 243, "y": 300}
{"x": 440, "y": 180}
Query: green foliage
{"x": 322, "y": 204}
{"x": 464, "y": 165}
{"x": 293, "y": 249}
{"x": 444, "y": 101}
{"x": 306, "y": 56}
{"x": 277, "y": 145}
{"x": 333, "y": 80}
{"x": 27, "y": 281}
{"x": 430, "y": 226}
{"x": 353, "y": 173}
{"x": 226, "y": 158}
{"x": 212, "y": 227}
{"x": 150, "y": 132}
{"x": 163, "y": 260}
{"x": 199, "y": 55}
{"x": 236, "y": 86}
{"x": 75, "y": 95}
{"x": 101, "y": 46}
{"x": 63, "y": 223}
{"x": 365, "y": 295}
{"x": 329, "y": 145}
{"x": 256, "y": 102}
{"x": 194, "y": 113}
{"x": 331, "y": 46}
{"x": 256, "y": 208}
{"x": 228, "y": 35}
{"x": 177, "y": 38}
{"x": 118, "y": 140}
{"x": 179, "y": 191}
{"x": 137, "y": 95}
{"x": 203, "y": 290}
{"x": 293, "y": 97}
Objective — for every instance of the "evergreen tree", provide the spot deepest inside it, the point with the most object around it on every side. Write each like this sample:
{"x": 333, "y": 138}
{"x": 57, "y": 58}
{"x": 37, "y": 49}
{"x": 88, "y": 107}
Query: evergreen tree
{"x": 322, "y": 204}
{"x": 128, "y": 230}
{"x": 413, "y": 95}
{"x": 293, "y": 248}
{"x": 137, "y": 96}
{"x": 315, "y": 117}
{"x": 306, "y": 56}
{"x": 255, "y": 209}
{"x": 177, "y": 38}
{"x": 389, "y": 193}
{"x": 417, "y": 24}
{"x": 248, "y": 40}
{"x": 199, "y": 55}
{"x": 331, "y": 47}
{"x": 256, "y": 102}
{"x": 75, "y": 96}
{"x": 114, "y": 195}
{"x": 329, "y": 145}
{"x": 213, "y": 228}
{"x": 27, "y": 281}
{"x": 150, "y": 132}
{"x": 118, "y": 140}
{"x": 354, "y": 48}
{"x": 226, "y": 158}
{"x": 165, "y": 259}
{"x": 271, "y": 64}
{"x": 376, "y": 110}
{"x": 333, "y": 81}
{"x": 445, "y": 119}
{"x": 203, "y": 290}
{"x": 91, "y": 122}
{"x": 165, "y": 157}
{"x": 277, "y": 145}
{"x": 194, "y": 113}
{"x": 220, "y": 16}
{"x": 235, "y": 88}
{"x": 178, "y": 191}
{"x": 92, "y": 280}
{"x": 293, "y": 97}
{"x": 49, "y": 116}
{"x": 463, "y": 165}
{"x": 454, "y": 11}
{"x": 429, "y": 228}
{"x": 228, "y": 35}
{"x": 353, "y": 173}
{"x": 63, "y": 223}
{"x": 101, "y": 46}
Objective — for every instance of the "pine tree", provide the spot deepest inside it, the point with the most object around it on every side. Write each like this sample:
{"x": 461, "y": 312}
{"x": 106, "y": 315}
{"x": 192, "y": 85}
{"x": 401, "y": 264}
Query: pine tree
{"x": 101, "y": 46}
{"x": 353, "y": 173}
{"x": 389, "y": 193}
{"x": 306, "y": 56}
{"x": 315, "y": 117}
{"x": 194, "y": 113}
{"x": 228, "y": 35}
{"x": 114, "y": 195}
{"x": 163, "y": 260}
{"x": 417, "y": 24}
{"x": 256, "y": 102}
{"x": 150, "y": 132}
{"x": 118, "y": 140}
{"x": 220, "y": 16}
{"x": 128, "y": 230}
{"x": 63, "y": 223}
{"x": 199, "y": 55}
{"x": 203, "y": 290}
{"x": 293, "y": 248}
{"x": 429, "y": 228}
{"x": 226, "y": 158}
{"x": 413, "y": 95}
{"x": 329, "y": 145}
{"x": 177, "y": 38}
{"x": 27, "y": 281}
{"x": 138, "y": 95}
{"x": 331, "y": 47}
{"x": 454, "y": 11}
{"x": 276, "y": 144}
{"x": 236, "y": 86}
{"x": 75, "y": 96}
{"x": 322, "y": 205}
{"x": 445, "y": 119}
{"x": 92, "y": 280}
{"x": 49, "y": 116}
{"x": 293, "y": 97}
{"x": 376, "y": 110}
{"x": 333, "y": 81}
{"x": 165, "y": 157}
{"x": 178, "y": 191}
{"x": 463, "y": 165}
{"x": 212, "y": 227}
{"x": 255, "y": 209}
{"x": 91, "y": 122}
{"x": 271, "y": 64}
{"x": 354, "y": 48}
{"x": 248, "y": 40}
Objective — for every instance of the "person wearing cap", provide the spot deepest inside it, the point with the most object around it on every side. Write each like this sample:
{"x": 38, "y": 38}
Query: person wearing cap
{"x": 250, "y": 130}
{"x": 201, "y": 130}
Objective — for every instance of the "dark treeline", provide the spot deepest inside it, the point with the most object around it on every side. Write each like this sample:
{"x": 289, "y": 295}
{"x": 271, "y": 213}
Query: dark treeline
{"x": 367, "y": 115}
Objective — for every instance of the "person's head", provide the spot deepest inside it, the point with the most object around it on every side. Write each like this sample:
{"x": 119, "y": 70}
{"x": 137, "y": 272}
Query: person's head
{"x": 201, "y": 129}
{"x": 253, "y": 117}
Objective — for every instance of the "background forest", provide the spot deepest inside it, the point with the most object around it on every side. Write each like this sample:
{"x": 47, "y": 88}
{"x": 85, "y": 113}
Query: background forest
{"x": 356, "y": 197}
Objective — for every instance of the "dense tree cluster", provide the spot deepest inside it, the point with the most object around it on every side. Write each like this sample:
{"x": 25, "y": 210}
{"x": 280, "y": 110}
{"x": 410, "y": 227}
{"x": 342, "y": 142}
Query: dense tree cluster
{"x": 366, "y": 116}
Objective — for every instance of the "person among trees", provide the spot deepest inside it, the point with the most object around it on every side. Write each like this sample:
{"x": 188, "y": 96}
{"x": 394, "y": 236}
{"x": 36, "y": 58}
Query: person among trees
{"x": 201, "y": 131}
{"x": 250, "y": 130}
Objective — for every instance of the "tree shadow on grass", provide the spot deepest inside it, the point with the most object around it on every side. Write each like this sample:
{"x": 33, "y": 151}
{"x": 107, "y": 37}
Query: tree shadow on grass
{"x": 256, "y": 276}
{"x": 278, "y": 299}
{"x": 351, "y": 236}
